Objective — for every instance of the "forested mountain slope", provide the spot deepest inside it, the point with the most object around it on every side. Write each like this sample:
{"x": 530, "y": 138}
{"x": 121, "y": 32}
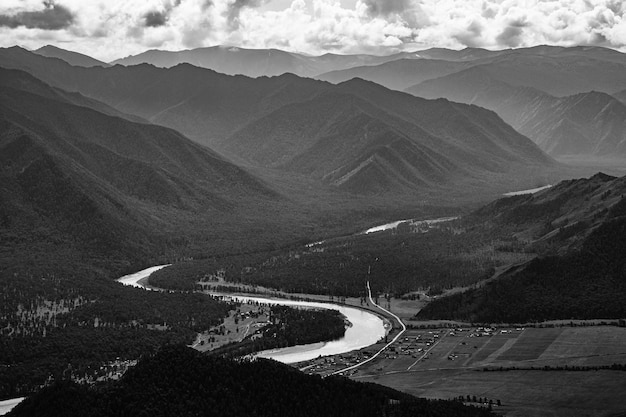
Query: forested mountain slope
{"x": 180, "y": 381}
{"x": 356, "y": 136}
{"x": 579, "y": 227}
{"x": 589, "y": 123}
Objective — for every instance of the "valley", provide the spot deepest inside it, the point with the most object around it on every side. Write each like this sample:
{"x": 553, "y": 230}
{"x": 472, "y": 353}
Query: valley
{"x": 439, "y": 232}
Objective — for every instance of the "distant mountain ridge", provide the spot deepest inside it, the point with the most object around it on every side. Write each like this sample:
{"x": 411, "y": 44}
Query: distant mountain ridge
{"x": 255, "y": 62}
{"x": 73, "y": 58}
{"x": 389, "y": 140}
{"x": 591, "y": 123}
{"x": 398, "y": 74}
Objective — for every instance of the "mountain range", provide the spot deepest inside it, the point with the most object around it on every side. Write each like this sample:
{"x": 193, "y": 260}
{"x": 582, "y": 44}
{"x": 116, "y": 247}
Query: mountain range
{"x": 107, "y": 186}
{"x": 72, "y": 58}
{"x": 590, "y": 123}
{"x": 255, "y": 62}
{"x": 357, "y": 136}
{"x": 558, "y": 97}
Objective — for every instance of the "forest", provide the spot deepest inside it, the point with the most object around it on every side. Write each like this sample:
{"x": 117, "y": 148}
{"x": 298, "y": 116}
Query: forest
{"x": 59, "y": 323}
{"x": 289, "y": 327}
{"x": 395, "y": 262}
{"x": 178, "y": 381}
{"x": 587, "y": 283}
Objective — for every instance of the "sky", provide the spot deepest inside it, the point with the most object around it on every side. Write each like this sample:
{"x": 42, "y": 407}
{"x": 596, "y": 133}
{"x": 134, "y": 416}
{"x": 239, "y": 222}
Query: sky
{"x": 111, "y": 29}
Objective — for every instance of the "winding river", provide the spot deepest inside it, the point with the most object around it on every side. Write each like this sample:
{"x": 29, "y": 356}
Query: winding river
{"x": 530, "y": 191}
{"x": 365, "y": 330}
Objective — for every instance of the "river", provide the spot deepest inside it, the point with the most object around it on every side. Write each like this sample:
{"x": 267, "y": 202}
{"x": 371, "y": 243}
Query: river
{"x": 365, "y": 330}
{"x": 8, "y": 405}
{"x": 420, "y": 224}
{"x": 529, "y": 191}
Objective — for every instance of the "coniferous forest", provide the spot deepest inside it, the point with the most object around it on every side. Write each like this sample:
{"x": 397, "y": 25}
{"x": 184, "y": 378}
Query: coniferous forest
{"x": 178, "y": 381}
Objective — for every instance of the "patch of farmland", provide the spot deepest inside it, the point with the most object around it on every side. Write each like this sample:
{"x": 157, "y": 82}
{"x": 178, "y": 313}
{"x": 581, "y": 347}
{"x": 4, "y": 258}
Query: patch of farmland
{"x": 588, "y": 346}
{"x": 531, "y": 344}
{"x": 496, "y": 343}
{"x": 523, "y": 393}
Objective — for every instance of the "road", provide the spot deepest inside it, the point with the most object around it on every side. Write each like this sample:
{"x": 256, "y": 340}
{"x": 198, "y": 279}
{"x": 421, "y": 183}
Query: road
{"x": 369, "y": 291}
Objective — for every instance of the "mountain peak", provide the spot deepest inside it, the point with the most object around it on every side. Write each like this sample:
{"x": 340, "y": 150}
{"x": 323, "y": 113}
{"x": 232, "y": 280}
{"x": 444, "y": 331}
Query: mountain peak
{"x": 73, "y": 58}
{"x": 601, "y": 176}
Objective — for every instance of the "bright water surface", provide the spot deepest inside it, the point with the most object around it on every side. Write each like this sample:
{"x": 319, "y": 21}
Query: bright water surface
{"x": 366, "y": 329}
{"x": 530, "y": 191}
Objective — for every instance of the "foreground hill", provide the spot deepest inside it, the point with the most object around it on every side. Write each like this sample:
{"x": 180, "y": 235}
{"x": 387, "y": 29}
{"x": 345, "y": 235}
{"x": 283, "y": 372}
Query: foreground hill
{"x": 180, "y": 381}
{"x": 254, "y": 62}
{"x": 580, "y": 228}
{"x": 356, "y": 136}
{"x": 589, "y": 124}
{"x": 73, "y": 58}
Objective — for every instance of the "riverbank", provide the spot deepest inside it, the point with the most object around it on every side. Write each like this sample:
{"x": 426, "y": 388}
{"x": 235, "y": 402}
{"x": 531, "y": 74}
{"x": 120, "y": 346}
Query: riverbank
{"x": 368, "y": 325}
{"x": 8, "y": 405}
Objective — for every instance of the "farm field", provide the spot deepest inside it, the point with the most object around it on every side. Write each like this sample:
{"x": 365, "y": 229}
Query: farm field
{"x": 447, "y": 363}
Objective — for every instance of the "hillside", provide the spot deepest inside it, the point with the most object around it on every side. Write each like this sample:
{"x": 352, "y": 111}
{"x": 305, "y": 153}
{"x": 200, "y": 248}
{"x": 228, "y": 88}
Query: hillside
{"x": 86, "y": 197}
{"x": 365, "y": 138}
{"x": 72, "y": 58}
{"x": 589, "y": 124}
{"x": 108, "y": 184}
{"x": 200, "y": 103}
{"x": 397, "y": 75}
{"x": 180, "y": 381}
{"x": 254, "y": 62}
{"x": 579, "y": 228}
{"x": 558, "y": 74}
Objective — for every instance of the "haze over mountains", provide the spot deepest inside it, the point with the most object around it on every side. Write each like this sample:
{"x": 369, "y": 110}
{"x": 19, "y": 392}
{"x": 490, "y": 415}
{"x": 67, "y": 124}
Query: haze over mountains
{"x": 590, "y": 123}
{"x": 357, "y": 136}
{"x": 255, "y": 62}
{"x": 72, "y": 58}
{"x": 527, "y": 87}
{"x": 559, "y": 97}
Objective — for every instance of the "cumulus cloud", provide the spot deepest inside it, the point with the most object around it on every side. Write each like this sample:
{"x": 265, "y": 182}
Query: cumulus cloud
{"x": 51, "y": 17}
{"x": 109, "y": 29}
{"x": 512, "y": 34}
{"x": 155, "y": 19}
{"x": 234, "y": 9}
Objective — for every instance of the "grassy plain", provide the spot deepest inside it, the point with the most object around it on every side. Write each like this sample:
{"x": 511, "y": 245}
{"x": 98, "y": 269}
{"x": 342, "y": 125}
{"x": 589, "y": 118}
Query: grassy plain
{"x": 448, "y": 363}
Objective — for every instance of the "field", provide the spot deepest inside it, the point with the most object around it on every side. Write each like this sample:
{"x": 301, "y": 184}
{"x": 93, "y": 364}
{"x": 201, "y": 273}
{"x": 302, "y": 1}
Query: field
{"x": 448, "y": 363}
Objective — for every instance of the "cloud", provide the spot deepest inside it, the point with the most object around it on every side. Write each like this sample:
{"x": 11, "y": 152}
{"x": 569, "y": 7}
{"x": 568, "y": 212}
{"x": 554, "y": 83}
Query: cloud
{"x": 52, "y": 17}
{"x": 408, "y": 11}
{"x": 234, "y": 10}
{"x": 109, "y": 29}
{"x": 472, "y": 35}
{"x": 512, "y": 35}
{"x": 155, "y": 19}
{"x": 387, "y": 7}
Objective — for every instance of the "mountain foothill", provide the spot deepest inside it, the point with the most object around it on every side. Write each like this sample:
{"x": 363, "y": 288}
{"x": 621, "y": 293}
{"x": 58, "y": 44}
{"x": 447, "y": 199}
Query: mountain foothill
{"x": 578, "y": 229}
